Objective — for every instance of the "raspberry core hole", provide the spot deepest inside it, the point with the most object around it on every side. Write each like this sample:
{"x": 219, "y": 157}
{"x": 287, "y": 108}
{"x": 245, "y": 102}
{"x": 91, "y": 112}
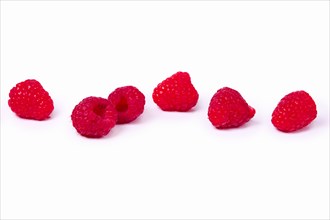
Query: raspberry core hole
{"x": 122, "y": 105}
{"x": 99, "y": 109}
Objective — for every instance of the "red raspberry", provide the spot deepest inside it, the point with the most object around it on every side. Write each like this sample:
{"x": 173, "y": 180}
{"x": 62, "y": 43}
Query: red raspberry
{"x": 228, "y": 109}
{"x": 129, "y": 103}
{"x": 28, "y": 99}
{"x": 176, "y": 93}
{"x": 94, "y": 117}
{"x": 294, "y": 111}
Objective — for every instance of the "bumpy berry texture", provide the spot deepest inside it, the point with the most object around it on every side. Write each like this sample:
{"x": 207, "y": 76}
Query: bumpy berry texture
{"x": 129, "y": 103}
{"x": 295, "y": 111}
{"x": 94, "y": 117}
{"x": 28, "y": 99}
{"x": 176, "y": 93}
{"x": 228, "y": 109}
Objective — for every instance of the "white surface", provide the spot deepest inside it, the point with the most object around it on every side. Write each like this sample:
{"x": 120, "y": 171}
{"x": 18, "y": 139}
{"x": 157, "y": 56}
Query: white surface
{"x": 166, "y": 164}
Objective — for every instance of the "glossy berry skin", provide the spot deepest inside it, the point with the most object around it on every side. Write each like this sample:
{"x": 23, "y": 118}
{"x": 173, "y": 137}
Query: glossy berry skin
{"x": 228, "y": 109}
{"x": 129, "y": 103}
{"x": 176, "y": 93}
{"x": 295, "y": 111}
{"x": 94, "y": 117}
{"x": 29, "y": 100}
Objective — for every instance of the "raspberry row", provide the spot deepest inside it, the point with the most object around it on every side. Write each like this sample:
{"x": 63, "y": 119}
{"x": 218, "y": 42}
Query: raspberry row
{"x": 94, "y": 117}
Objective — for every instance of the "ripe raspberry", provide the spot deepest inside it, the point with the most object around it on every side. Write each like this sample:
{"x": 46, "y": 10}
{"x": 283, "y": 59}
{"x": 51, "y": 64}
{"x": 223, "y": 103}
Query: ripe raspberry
{"x": 228, "y": 109}
{"x": 28, "y": 99}
{"x": 94, "y": 117}
{"x": 129, "y": 103}
{"x": 294, "y": 111}
{"x": 176, "y": 93}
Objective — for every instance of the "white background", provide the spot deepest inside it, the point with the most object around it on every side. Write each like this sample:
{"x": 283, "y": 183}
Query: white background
{"x": 165, "y": 164}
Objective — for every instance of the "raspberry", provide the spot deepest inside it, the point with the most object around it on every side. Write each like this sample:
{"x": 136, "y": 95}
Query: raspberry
{"x": 294, "y": 111}
{"x": 176, "y": 93}
{"x": 129, "y": 103}
{"x": 228, "y": 109}
{"x": 28, "y": 99}
{"x": 94, "y": 117}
